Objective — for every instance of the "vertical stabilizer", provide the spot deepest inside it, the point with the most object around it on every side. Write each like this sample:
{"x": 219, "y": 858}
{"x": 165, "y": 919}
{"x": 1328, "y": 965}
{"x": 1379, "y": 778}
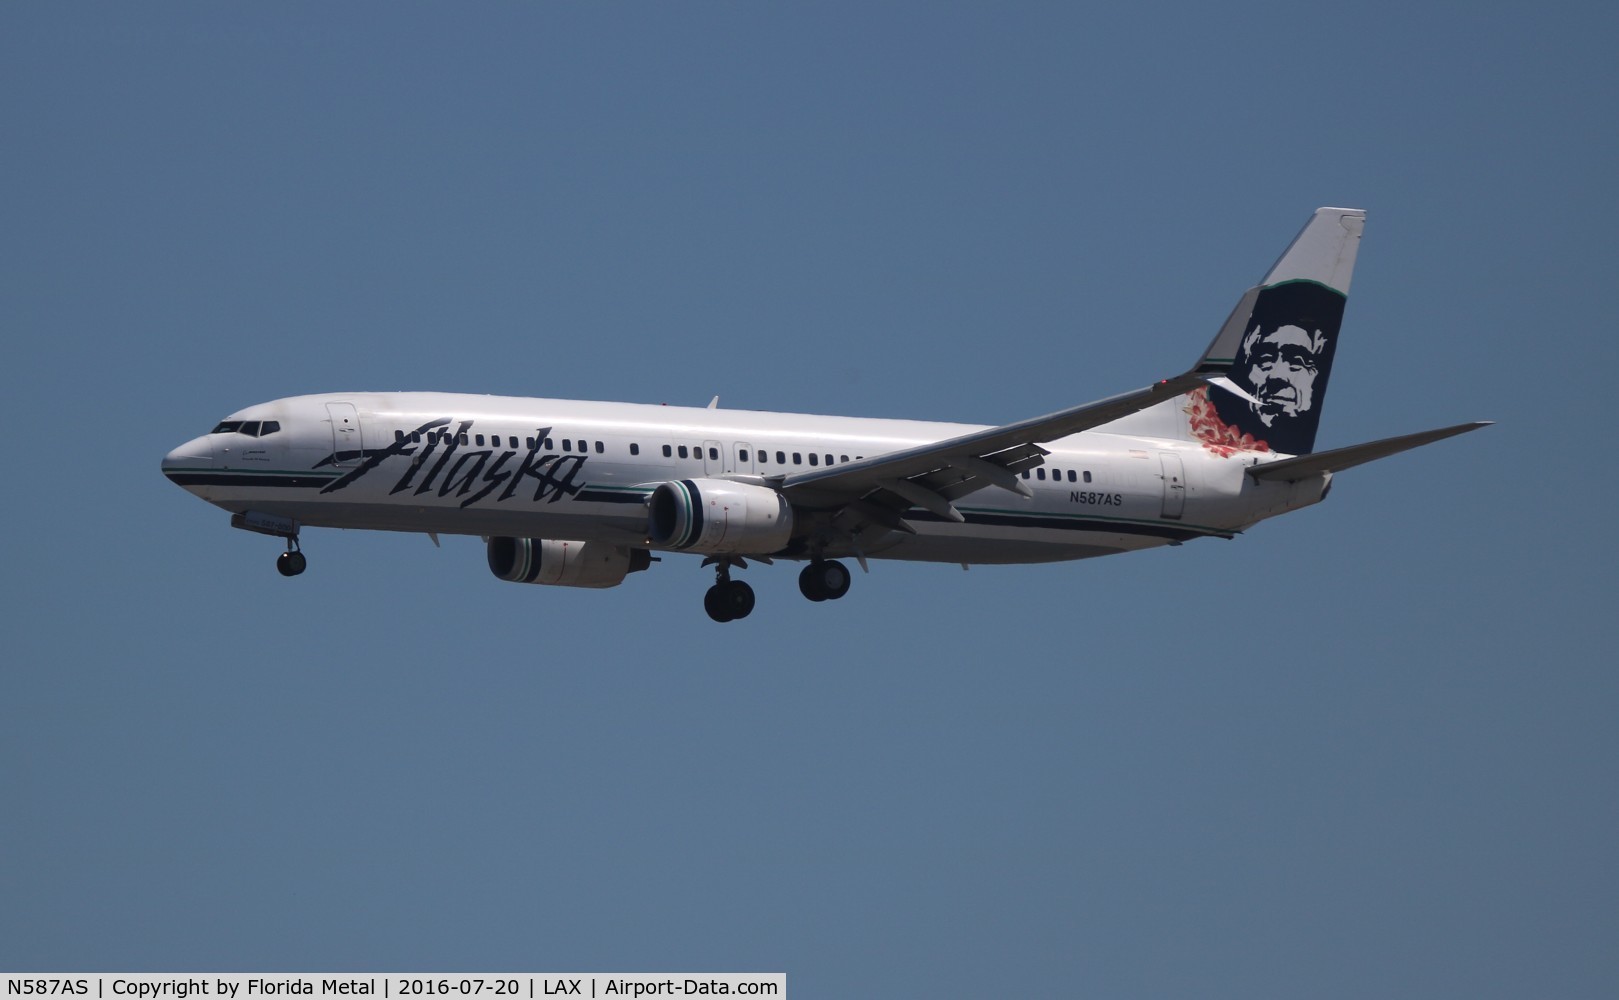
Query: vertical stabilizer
{"x": 1323, "y": 251}
{"x": 1278, "y": 344}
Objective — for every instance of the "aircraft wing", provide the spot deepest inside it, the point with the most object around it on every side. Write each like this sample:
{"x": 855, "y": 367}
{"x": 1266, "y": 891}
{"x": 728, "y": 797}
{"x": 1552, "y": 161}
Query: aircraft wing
{"x": 877, "y": 490}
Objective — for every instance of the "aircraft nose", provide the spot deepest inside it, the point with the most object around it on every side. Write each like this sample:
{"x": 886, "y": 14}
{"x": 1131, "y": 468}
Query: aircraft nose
{"x": 195, "y": 455}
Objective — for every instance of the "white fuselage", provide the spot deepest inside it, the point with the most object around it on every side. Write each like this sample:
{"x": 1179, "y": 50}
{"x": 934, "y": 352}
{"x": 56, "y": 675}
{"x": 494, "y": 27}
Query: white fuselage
{"x": 566, "y": 469}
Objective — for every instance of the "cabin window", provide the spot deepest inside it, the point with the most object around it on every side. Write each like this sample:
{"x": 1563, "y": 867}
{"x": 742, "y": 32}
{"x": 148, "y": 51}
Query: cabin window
{"x": 529, "y": 443}
{"x": 683, "y": 452}
{"x": 742, "y": 455}
{"x": 1040, "y": 474}
{"x": 600, "y": 448}
{"x": 798, "y": 458}
{"x": 1087, "y": 475}
{"x": 1025, "y": 473}
{"x": 548, "y": 444}
{"x": 714, "y": 454}
{"x": 399, "y": 437}
{"x": 635, "y": 449}
{"x": 781, "y": 458}
{"x": 1071, "y": 476}
{"x": 462, "y": 438}
{"x": 843, "y": 459}
{"x": 416, "y": 437}
{"x": 668, "y": 452}
{"x": 479, "y": 439}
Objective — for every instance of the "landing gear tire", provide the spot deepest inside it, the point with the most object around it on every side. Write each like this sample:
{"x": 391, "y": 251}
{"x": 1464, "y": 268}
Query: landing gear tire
{"x": 728, "y": 601}
{"x": 290, "y": 563}
{"x": 824, "y": 580}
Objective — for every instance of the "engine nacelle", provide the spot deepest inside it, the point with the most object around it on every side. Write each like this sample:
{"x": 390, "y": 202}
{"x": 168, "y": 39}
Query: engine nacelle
{"x": 563, "y": 563}
{"x": 719, "y": 517}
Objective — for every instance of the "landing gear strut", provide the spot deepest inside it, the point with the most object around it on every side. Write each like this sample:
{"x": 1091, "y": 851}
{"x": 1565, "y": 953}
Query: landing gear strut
{"x": 824, "y": 580}
{"x": 288, "y": 563}
{"x": 728, "y": 600}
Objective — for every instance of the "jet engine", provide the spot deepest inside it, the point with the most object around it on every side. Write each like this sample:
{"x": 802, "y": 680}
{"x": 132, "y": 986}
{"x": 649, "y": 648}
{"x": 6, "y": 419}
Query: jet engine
{"x": 719, "y": 517}
{"x": 563, "y": 563}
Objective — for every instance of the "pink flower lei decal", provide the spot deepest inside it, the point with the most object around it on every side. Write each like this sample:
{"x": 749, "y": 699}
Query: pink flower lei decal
{"x": 1217, "y": 435}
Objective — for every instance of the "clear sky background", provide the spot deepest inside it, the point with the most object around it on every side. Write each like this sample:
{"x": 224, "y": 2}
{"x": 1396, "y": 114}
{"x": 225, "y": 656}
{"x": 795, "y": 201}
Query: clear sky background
{"x": 1366, "y": 750}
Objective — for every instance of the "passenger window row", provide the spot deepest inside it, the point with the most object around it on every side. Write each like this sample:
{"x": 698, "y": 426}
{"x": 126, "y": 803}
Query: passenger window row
{"x": 1056, "y": 475}
{"x": 742, "y": 455}
{"x": 262, "y": 428}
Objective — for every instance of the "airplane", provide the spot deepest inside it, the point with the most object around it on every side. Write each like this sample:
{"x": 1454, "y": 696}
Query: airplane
{"x": 581, "y": 494}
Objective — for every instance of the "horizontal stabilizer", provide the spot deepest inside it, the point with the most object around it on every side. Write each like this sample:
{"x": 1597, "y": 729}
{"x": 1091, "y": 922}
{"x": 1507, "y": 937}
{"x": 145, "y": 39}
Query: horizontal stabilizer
{"x": 1291, "y": 469}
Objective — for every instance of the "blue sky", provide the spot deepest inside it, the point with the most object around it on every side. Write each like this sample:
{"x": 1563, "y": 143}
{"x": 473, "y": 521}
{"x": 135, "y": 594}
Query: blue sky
{"x": 1368, "y": 749}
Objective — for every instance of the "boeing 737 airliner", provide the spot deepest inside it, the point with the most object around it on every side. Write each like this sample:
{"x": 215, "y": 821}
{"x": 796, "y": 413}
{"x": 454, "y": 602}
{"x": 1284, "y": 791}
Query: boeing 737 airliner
{"x": 581, "y": 494}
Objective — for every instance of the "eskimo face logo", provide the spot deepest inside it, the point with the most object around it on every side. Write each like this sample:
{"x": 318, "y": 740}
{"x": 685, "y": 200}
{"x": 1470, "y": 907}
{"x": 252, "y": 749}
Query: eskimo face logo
{"x": 1283, "y": 362}
{"x": 1282, "y": 367}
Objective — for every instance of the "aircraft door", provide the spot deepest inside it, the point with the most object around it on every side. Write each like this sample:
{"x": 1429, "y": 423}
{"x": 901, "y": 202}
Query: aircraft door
{"x": 743, "y": 453}
{"x": 1174, "y": 484}
{"x": 347, "y": 446}
{"x": 713, "y": 458}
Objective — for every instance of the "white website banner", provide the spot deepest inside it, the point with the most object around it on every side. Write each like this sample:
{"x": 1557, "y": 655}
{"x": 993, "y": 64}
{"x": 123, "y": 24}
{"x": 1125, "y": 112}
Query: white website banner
{"x": 389, "y": 985}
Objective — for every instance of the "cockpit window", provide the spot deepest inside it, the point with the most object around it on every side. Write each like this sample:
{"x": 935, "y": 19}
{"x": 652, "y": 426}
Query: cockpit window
{"x": 251, "y": 428}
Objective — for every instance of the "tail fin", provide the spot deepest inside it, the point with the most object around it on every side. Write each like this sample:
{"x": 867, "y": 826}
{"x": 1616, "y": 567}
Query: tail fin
{"x": 1275, "y": 351}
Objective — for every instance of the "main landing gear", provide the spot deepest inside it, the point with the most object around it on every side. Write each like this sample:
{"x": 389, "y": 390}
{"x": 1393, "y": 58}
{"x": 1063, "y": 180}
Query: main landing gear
{"x": 824, "y": 580}
{"x": 292, "y": 561}
{"x": 728, "y": 599}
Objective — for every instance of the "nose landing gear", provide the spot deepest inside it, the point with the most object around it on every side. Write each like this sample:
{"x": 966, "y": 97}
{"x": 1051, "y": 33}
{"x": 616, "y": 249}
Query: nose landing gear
{"x": 288, "y": 563}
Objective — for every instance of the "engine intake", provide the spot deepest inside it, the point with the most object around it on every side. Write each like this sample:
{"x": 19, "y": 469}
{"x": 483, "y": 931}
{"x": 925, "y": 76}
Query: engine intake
{"x": 719, "y": 517}
{"x": 560, "y": 563}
